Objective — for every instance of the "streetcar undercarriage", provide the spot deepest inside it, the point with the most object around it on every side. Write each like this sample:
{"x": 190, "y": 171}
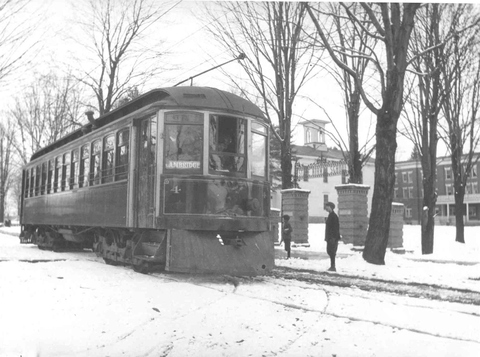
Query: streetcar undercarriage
{"x": 174, "y": 250}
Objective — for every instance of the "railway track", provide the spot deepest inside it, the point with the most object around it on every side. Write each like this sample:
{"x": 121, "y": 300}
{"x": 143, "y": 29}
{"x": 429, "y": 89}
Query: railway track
{"x": 410, "y": 289}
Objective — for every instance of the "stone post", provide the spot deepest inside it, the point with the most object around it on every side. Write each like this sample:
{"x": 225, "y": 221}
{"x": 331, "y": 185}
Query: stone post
{"x": 395, "y": 235}
{"x": 275, "y": 221}
{"x": 295, "y": 204}
{"x": 353, "y": 213}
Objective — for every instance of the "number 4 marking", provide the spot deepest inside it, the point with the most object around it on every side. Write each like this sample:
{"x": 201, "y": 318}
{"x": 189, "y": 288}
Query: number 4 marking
{"x": 175, "y": 189}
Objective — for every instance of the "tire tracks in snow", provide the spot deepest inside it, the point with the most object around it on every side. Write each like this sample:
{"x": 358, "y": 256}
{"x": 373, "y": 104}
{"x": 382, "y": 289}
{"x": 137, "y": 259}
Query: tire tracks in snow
{"x": 410, "y": 289}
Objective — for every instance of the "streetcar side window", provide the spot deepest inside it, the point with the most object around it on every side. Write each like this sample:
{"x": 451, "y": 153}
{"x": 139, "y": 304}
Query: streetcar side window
{"x": 74, "y": 175}
{"x": 32, "y": 181}
{"x": 108, "y": 158}
{"x": 259, "y": 150}
{"x": 43, "y": 184}
{"x": 183, "y": 141}
{"x": 27, "y": 182}
{"x": 66, "y": 172}
{"x": 37, "y": 180}
{"x": 51, "y": 168}
{"x": 58, "y": 174}
{"x": 121, "y": 164}
{"x": 95, "y": 162}
{"x": 227, "y": 145}
{"x": 84, "y": 166}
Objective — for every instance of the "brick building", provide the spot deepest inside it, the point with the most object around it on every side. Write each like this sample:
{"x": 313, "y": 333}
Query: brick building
{"x": 319, "y": 169}
{"x": 409, "y": 191}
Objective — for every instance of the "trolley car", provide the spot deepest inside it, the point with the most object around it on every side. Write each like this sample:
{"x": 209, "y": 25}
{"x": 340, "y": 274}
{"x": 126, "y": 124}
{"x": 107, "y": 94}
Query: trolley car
{"x": 175, "y": 179}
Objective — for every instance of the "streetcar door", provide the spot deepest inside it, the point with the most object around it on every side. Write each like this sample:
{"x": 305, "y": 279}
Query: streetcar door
{"x": 146, "y": 170}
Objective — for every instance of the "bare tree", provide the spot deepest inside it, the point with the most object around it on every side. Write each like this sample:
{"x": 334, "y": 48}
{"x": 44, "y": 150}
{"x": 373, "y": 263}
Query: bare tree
{"x": 278, "y": 60}
{"x": 351, "y": 40}
{"x": 116, "y": 31}
{"x": 460, "y": 68}
{"x": 393, "y": 25}
{"x": 15, "y": 35}
{"x": 7, "y": 134}
{"x": 423, "y": 109}
{"x": 47, "y": 110}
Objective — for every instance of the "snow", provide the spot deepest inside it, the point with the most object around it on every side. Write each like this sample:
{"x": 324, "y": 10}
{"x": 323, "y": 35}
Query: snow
{"x": 411, "y": 267}
{"x": 72, "y": 304}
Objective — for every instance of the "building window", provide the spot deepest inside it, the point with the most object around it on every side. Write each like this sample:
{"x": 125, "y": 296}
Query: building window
{"x": 468, "y": 190}
{"x": 408, "y": 212}
{"x": 449, "y": 189}
{"x": 410, "y": 176}
{"x": 474, "y": 187}
{"x": 395, "y": 192}
{"x": 410, "y": 192}
{"x": 121, "y": 165}
{"x": 84, "y": 166}
{"x": 448, "y": 173}
{"x": 325, "y": 174}
{"x": 404, "y": 177}
{"x": 325, "y": 199}
{"x": 405, "y": 192}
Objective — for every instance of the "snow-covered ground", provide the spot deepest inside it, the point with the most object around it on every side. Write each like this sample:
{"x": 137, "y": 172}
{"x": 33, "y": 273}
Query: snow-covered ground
{"x": 452, "y": 264}
{"x": 71, "y": 304}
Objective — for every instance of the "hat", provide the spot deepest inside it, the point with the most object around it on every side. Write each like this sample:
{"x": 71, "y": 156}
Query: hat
{"x": 330, "y": 204}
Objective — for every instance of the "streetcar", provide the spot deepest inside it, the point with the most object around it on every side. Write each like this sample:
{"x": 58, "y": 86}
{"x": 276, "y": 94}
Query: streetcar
{"x": 176, "y": 179}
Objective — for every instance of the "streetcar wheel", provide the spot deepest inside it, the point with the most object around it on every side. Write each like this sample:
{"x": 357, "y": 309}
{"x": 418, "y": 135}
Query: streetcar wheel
{"x": 141, "y": 268}
{"x": 110, "y": 261}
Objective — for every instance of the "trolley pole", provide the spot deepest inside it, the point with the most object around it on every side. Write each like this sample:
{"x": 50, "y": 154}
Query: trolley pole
{"x": 241, "y": 56}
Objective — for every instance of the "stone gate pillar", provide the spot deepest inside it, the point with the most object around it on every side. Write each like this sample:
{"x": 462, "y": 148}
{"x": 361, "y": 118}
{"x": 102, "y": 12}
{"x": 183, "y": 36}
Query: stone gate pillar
{"x": 295, "y": 204}
{"x": 275, "y": 221}
{"x": 353, "y": 213}
{"x": 395, "y": 235}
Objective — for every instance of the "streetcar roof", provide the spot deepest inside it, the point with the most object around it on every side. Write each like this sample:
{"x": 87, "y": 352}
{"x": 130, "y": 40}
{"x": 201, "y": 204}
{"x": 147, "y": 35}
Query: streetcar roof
{"x": 200, "y": 98}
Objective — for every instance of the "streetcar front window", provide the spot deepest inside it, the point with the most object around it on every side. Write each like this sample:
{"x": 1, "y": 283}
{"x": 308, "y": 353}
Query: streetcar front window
{"x": 184, "y": 141}
{"x": 259, "y": 147}
{"x": 227, "y": 145}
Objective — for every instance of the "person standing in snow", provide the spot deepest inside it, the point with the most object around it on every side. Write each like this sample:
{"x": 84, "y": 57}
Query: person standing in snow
{"x": 332, "y": 233}
{"x": 286, "y": 234}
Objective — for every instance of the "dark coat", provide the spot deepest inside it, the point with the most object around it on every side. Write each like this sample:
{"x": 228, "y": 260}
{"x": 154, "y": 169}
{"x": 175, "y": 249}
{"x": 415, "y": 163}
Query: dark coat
{"x": 332, "y": 228}
{"x": 287, "y": 231}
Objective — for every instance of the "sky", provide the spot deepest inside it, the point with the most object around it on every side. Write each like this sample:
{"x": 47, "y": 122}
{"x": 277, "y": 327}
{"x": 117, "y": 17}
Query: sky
{"x": 72, "y": 304}
{"x": 191, "y": 52}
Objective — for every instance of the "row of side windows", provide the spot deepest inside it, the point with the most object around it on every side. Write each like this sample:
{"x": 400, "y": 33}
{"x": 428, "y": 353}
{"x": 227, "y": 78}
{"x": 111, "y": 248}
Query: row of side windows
{"x": 101, "y": 161}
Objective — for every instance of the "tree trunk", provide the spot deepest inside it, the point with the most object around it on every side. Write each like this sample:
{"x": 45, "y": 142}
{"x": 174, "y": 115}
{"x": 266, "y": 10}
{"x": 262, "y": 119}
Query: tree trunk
{"x": 459, "y": 224}
{"x": 379, "y": 224}
{"x": 428, "y": 216}
{"x": 458, "y": 186}
{"x": 286, "y": 165}
{"x": 2, "y": 207}
{"x": 355, "y": 164}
